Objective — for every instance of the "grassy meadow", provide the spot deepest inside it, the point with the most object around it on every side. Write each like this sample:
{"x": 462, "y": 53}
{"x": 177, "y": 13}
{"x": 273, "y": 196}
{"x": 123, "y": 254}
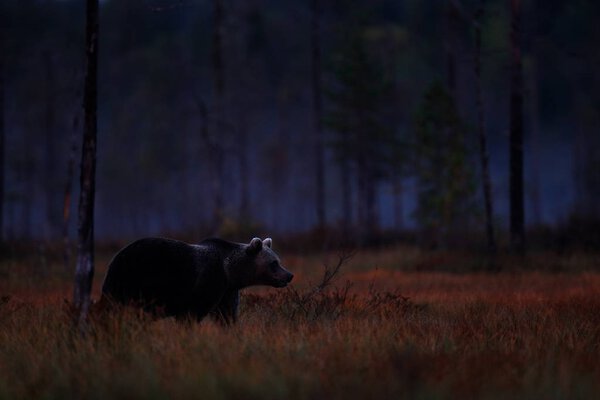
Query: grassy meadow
{"x": 398, "y": 323}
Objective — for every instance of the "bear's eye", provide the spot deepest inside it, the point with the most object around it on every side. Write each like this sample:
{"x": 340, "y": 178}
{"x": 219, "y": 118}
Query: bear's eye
{"x": 273, "y": 265}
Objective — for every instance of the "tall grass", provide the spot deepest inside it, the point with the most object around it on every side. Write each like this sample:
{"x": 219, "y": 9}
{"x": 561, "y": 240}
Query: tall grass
{"x": 390, "y": 334}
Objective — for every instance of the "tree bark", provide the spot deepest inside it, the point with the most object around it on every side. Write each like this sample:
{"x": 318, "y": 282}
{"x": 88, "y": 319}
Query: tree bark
{"x": 52, "y": 207}
{"x": 84, "y": 272}
{"x": 2, "y": 152}
{"x": 361, "y": 187}
{"x": 244, "y": 207}
{"x": 398, "y": 191}
{"x": 483, "y": 151}
{"x": 217, "y": 49}
{"x": 536, "y": 198}
{"x": 215, "y": 157}
{"x": 372, "y": 214}
{"x": 219, "y": 94}
{"x": 318, "y": 115}
{"x": 517, "y": 209}
{"x": 450, "y": 47}
{"x": 346, "y": 196}
{"x": 68, "y": 193}
{"x": 241, "y": 62}
{"x": 28, "y": 172}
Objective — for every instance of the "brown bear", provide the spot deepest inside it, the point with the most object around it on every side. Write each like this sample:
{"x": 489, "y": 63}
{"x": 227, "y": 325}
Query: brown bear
{"x": 171, "y": 278}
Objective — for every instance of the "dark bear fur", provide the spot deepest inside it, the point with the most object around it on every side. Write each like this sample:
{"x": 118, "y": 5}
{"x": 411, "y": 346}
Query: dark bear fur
{"x": 171, "y": 278}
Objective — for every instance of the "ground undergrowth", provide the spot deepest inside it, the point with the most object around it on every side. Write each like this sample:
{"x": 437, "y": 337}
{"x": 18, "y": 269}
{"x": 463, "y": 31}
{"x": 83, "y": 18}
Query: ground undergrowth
{"x": 371, "y": 329}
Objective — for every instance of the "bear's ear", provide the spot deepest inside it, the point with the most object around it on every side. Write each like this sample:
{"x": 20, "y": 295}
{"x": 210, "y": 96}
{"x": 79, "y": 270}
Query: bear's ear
{"x": 255, "y": 246}
{"x": 268, "y": 242}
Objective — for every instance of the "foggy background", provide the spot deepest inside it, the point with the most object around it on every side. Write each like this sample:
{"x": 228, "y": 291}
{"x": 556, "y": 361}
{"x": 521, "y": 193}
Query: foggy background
{"x": 161, "y": 124}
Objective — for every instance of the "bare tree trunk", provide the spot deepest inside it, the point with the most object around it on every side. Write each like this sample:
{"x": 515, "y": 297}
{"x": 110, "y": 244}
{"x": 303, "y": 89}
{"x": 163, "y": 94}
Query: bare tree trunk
{"x": 450, "y": 47}
{"x": 536, "y": 199}
{"x": 215, "y": 157}
{"x": 346, "y": 196}
{"x": 219, "y": 94}
{"x": 318, "y": 115}
{"x": 361, "y": 186}
{"x": 28, "y": 172}
{"x": 2, "y": 152}
{"x": 483, "y": 151}
{"x": 398, "y": 190}
{"x": 240, "y": 65}
{"x": 372, "y": 215}
{"x": 581, "y": 161}
{"x": 278, "y": 161}
{"x": 244, "y": 210}
{"x": 67, "y": 194}
{"x": 217, "y": 162}
{"x": 217, "y": 49}
{"x": 84, "y": 273}
{"x": 52, "y": 207}
{"x": 367, "y": 200}
{"x": 517, "y": 209}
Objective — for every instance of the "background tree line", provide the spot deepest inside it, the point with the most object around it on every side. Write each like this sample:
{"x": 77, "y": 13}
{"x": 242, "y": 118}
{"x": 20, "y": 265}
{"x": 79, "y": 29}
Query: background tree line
{"x": 220, "y": 116}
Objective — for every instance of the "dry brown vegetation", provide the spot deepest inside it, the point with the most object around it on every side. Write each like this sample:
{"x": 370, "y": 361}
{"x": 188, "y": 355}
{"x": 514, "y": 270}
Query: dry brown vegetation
{"x": 393, "y": 324}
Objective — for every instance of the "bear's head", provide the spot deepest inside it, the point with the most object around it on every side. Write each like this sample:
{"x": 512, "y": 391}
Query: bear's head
{"x": 267, "y": 265}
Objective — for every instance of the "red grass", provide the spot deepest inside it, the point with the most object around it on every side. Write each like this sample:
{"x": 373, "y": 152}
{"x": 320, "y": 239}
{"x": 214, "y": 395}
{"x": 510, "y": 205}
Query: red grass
{"x": 396, "y": 333}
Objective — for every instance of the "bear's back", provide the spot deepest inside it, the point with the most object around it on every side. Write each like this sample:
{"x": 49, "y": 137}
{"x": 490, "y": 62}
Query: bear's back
{"x": 163, "y": 272}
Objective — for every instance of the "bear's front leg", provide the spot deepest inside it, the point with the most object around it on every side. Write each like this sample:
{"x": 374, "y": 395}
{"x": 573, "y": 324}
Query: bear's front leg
{"x": 226, "y": 311}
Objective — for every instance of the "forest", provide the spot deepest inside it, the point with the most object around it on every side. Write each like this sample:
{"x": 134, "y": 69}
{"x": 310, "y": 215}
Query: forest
{"x": 427, "y": 170}
{"x": 201, "y": 116}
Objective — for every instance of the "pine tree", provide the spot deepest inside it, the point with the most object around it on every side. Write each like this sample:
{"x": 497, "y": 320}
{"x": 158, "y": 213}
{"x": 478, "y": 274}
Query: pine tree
{"x": 361, "y": 138}
{"x": 445, "y": 185}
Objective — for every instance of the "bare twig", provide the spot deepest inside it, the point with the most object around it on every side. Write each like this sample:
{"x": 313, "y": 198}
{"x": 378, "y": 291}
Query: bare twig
{"x": 313, "y": 303}
{"x": 330, "y": 273}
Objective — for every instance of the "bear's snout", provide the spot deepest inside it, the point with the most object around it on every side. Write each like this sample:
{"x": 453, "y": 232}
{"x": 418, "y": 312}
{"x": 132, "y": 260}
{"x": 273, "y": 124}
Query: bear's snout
{"x": 290, "y": 277}
{"x": 287, "y": 276}
{"x": 281, "y": 278}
